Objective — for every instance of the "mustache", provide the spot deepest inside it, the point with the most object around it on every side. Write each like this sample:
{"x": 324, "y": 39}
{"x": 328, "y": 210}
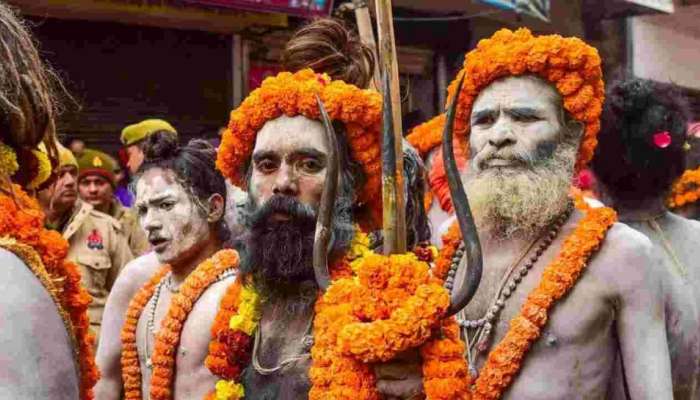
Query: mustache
{"x": 297, "y": 212}
{"x": 482, "y": 158}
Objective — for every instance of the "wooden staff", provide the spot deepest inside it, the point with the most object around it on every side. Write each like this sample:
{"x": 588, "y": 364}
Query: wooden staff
{"x": 394, "y": 206}
{"x": 364, "y": 28}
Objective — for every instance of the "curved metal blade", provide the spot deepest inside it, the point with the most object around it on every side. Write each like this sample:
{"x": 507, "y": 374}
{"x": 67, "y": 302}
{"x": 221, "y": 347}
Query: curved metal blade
{"x": 463, "y": 292}
{"x": 322, "y": 236}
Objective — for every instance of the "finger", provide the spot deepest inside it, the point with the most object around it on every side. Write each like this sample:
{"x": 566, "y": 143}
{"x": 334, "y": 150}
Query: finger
{"x": 396, "y": 370}
{"x": 404, "y": 389}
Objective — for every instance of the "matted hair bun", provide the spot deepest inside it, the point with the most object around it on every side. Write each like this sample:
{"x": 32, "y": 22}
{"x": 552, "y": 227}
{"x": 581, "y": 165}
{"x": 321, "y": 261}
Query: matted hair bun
{"x": 326, "y": 45}
{"x": 160, "y": 145}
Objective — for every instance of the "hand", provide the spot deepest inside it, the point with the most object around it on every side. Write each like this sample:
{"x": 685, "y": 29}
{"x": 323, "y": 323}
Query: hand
{"x": 401, "y": 378}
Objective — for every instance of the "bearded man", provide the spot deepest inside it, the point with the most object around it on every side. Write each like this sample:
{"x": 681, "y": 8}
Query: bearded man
{"x": 45, "y": 345}
{"x": 97, "y": 241}
{"x": 640, "y": 154}
{"x": 530, "y": 114}
{"x": 180, "y": 200}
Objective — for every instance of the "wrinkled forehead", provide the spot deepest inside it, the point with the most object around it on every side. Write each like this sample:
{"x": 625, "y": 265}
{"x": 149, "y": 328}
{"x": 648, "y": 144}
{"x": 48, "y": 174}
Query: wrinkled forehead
{"x": 284, "y": 135}
{"x": 519, "y": 91}
{"x": 157, "y": 184}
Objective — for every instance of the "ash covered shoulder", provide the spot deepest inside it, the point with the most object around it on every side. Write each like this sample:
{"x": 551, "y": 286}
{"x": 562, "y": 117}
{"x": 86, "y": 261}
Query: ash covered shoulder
{"x": 27, "y": 309}
{"x": 624, "y": 263}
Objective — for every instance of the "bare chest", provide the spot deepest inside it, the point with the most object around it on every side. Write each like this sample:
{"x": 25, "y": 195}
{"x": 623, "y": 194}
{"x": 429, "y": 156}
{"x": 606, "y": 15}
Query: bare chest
{"x": 281, "y": 354}
{"x": 192, "y": 379}
{"x": 510, "y": 275}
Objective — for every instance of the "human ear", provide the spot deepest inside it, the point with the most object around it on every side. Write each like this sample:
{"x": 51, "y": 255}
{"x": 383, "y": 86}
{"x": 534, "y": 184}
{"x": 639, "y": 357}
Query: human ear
{"x": 216, "y": 205}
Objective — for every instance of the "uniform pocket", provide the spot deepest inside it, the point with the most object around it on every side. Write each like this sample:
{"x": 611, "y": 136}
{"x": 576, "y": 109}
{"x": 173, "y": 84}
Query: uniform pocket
{"x": 95, "y": 268}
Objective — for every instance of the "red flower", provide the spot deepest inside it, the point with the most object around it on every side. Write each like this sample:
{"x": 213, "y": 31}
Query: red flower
{"x": 662, "y": 139}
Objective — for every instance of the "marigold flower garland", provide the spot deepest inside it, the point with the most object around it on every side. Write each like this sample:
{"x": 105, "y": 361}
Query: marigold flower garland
{"x": 230, "y": 348}
{"x": 571, "y": 65}
{"x": 559, "y": 277}
{"x": 685, "y": 190}
{"x": 405, "y": 304}
{"x": 23, "y": 221}
{"x": 360, "y": 112}
{"x": 168, "y": 336}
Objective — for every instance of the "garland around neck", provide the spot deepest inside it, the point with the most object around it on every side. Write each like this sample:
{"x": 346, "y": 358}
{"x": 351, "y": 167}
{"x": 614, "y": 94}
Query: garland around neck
{"x": 399, "y": 295}
{"x": 22, "y": 232}
{"x": 168, "y": 336}
{"x": 559, "y": 277}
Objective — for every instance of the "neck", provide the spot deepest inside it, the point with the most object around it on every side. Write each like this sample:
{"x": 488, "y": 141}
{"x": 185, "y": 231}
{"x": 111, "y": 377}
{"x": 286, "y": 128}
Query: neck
{"x": 638, "y": 210}
{"x": 104, "y": 207}
{"x": 55, "y": 216}
{"x": 183, "y": 269}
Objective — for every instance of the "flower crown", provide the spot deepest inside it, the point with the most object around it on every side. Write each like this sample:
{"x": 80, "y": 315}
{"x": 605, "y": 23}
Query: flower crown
{"x": 571, "y": 65}
{"x": 294, "y": 94}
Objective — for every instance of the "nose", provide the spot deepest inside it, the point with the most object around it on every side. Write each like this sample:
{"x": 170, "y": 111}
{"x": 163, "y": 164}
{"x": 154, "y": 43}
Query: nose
{"x": 150, "y": 222}
{"x": 286, "y": 181}
{"x": 69, "y": 180}
{"x": 501, "y": 134}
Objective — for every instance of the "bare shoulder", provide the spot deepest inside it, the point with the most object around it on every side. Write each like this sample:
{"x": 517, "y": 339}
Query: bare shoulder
{"x": 214, "y": 293}
{"x": 624, "y": 261}
{"x": 134, "y": 275}
{"x": 26, "y": 308}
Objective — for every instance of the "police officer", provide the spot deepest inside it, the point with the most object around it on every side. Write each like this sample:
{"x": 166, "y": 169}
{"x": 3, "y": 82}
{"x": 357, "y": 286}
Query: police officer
{"x": 96, "y": 241}
{"x": 133, "y": 136}
{"x": 96, "y": 183}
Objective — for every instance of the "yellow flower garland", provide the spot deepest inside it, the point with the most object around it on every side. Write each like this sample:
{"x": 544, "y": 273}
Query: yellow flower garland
{"x": 685, "y": 190}
{"x": 8, "y": 160}
{"x": 44, "y": 169}
{"x": 246, "y": 320}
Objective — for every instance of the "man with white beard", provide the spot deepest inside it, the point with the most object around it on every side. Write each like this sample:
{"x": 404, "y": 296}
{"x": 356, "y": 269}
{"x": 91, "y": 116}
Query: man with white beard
{"x": 564, "y": 291}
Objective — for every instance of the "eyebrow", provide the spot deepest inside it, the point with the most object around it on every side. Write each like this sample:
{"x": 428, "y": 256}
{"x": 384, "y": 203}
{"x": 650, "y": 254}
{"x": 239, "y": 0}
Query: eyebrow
{"x": 522, "y": 112}
{"x": 298, "y": 153}
{"x": 477, "y": 115}
{"x": 308, "y": 152}
{"x": 263, "y": 154}
{"x": 159, "y": 199}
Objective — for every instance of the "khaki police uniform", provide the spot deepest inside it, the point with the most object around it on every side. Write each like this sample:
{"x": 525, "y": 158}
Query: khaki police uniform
{"x": 100, "y": 248}
{"x": 135, "y": 235}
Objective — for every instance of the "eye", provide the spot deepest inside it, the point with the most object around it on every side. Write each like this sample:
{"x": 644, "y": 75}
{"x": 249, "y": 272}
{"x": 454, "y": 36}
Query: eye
{"x": 141, "y": 210}
{"x": 310, "y": 165}
{"x": 266, "y": 166}
{"x": 167, "y": 205}
{"x": 526, "y": 118}
{"x": 484, "y": 120}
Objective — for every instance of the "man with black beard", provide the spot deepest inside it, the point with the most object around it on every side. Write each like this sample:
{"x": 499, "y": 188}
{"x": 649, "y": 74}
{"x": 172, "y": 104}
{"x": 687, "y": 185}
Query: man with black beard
{"x": 278, "y": 250}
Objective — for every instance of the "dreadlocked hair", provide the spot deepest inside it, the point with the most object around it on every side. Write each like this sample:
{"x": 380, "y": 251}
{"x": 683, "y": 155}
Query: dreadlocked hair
{"x": 630, "y": 161}
{"x": 28, "y": 103}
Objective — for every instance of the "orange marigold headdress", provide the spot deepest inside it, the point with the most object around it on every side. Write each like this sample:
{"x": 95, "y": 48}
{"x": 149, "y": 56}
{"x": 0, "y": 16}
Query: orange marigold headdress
{"x": 360, "y": 111}
{"x": 571, "y": 65}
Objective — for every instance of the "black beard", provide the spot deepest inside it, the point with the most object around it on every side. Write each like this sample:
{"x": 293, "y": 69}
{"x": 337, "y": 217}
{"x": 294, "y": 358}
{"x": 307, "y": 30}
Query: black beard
{"x": 279, "y": 254}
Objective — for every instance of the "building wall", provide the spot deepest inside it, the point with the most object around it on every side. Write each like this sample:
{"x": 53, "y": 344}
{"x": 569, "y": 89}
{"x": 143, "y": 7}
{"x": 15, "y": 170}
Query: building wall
{"x": 666, "y": 48}
{"x": 120, "y": 74}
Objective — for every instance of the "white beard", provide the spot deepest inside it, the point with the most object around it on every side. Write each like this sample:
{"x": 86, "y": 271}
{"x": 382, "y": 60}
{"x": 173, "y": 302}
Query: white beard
{"x": 521, "y": 202}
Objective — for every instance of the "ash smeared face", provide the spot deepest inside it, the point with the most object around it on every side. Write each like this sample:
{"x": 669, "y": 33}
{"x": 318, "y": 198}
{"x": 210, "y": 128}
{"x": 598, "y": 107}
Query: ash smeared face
{"x": 175, "y": 225}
